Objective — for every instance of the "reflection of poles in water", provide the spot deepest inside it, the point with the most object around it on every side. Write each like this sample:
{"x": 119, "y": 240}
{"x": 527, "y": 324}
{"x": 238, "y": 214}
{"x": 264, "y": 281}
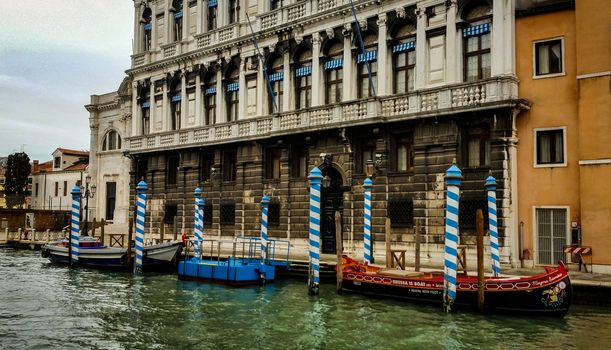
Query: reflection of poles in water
{"x": 314, "y": 242}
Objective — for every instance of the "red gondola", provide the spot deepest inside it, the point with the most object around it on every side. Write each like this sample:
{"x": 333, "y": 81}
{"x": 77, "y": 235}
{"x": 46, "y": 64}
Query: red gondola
{"x": 546, "y": 294}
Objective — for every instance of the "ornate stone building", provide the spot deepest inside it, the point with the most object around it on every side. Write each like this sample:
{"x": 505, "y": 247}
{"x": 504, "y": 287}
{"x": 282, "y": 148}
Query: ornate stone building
{"x": 443, "y": 89}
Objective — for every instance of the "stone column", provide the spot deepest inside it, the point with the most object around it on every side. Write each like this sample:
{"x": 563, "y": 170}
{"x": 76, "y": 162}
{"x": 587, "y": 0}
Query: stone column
{"x": 137, "y": 46}
{"x": 220, "y": 96}
{"x": 152, "y": 106}
{"x": 496, "y": 46}
{"x": 136, "y": 119}
{"x": 349, "y": 76}
{"x": 242, "y": 105}
{"x": 453, "y": 45}
{"x": 184, "y": 101}
{"x": 286, "y": 83}
{"x": 199, "y": 19}
{"x": 185, "y": 21}
{"x": 222, "y": 13}
{"x": 166, "y": 110}
{"x": 384, "y": 65}
{"x": 154, "y": 43}
{"x": 317, "y": 89}
{"x": 199, "y": 115}
{"x": 261, "y": 89}
{"x": 421, "y": 47}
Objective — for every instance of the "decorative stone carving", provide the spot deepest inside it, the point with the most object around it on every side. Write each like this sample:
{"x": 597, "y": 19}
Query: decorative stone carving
{"x": 347, "y": 30}
{"x": 363, "y": 24}
{"x": 298, "y": 39}
{"x": 330, "y": 33}
{"x": 400, "y": 12}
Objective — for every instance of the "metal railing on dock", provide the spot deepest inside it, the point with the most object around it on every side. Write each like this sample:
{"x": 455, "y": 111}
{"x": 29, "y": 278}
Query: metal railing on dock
{"x": 245, "y": 249}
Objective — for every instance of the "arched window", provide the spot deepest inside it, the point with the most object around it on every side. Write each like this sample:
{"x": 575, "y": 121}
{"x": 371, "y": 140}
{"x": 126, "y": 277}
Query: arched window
{"x": 147, "y": 26}
{"x": 476, "y": 44}
{"x": 275, "y": 74}
{"x": 176, "y": 100}
{"x": 178, "y": 14}
{"x": 145, "y": 108}
{"x": 404, "y": 58}
{"x": 369, "y": 57}
{"x": 112, "y": 141}
{"x": 303, "y": 79}
{"x": 334, "y": 72}
{"x": 209, "y": 90}
{"x": 231, "y": 97}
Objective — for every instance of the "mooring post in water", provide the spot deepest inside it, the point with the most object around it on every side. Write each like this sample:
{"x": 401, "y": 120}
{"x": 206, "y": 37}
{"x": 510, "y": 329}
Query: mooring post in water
{"x": 314, "y": 271}
{"x": 479, "y": 228}
{"x": 103, "y": 223}
{"x": 367, "y": 248}
{"x": 264, "y": 209}
{"x": 197, "y": 225}
{"x": 494, "y": 235}
{"x": 417, "y": 247}
{"x": 453, "y": 177}
{"x": 388, "y": 242}
{"x": 339, "y": 249}
{"x": 140, "y": 216}
{"x": 75, "y": 224}
{"x": 130, "y": 235}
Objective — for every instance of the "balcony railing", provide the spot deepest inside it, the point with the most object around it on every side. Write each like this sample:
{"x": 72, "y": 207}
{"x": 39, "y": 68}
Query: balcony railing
{"x": 491, "y": 93}
{"x": 217, "y": 36}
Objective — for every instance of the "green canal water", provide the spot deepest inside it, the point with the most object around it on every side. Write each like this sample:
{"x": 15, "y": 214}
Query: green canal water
{"x": 43, "y": 306}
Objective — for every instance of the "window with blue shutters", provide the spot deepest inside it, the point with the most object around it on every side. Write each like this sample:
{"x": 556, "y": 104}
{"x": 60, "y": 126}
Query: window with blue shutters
{"x": 275, "y": 75}
{"x": 367, "y": 65}
{"x": 334, "y": 72}
{"x": 233, "y": 11}
{"x": 209, "y": 90}
{"x": 178, "y": 14}
{"x": 404, "y": 59}
{"x": 175, "y": 103}
{"x": 231, "y": 95}
{"x": 145, "y": 108}
{"x": 303, "y": 80}
{"x": 147, "y": 26}
{"x": 212, "y": 14}
{"x": 476, "y": 44}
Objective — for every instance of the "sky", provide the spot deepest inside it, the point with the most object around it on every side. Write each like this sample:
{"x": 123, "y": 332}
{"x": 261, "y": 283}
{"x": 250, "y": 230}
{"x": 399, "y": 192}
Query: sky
{"x": 54, "y": 54}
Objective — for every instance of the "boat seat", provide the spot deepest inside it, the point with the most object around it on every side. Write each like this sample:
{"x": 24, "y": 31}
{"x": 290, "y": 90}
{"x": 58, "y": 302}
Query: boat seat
{"x": 400, "y": 273}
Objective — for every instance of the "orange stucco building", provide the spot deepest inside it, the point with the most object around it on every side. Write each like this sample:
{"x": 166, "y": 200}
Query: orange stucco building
{"x": 563, "y": 65}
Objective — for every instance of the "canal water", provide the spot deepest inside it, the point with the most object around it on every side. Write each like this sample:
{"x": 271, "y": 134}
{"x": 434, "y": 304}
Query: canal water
{"x": 43, "y": 306}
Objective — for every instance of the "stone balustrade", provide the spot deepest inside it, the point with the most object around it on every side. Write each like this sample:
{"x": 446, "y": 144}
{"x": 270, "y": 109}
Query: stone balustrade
{"x": 491, "y": 93}
{"x": 217, "y": 36}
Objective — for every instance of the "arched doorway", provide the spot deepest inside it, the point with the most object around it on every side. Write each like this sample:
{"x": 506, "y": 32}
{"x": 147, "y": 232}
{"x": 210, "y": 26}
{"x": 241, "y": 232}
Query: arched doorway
{"x": 332, "y": 201}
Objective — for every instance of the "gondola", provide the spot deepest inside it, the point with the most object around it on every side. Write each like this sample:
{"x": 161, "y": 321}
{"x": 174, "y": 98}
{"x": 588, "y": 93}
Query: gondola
{"x": 545, "y": 294}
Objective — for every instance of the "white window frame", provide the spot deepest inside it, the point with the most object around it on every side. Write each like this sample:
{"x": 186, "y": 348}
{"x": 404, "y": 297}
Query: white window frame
{"x": 564, "y": 148}
{"x": 536, "y": 232}
{"x": 534, "y": 51}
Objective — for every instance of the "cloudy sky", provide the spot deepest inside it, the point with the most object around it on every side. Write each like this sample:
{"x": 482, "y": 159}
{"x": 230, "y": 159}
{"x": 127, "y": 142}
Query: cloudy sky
{"x": 54, "y": 54}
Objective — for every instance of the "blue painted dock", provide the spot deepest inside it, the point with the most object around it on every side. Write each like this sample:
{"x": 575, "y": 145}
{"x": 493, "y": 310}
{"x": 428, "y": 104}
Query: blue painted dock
{"x": 243, "y": 266}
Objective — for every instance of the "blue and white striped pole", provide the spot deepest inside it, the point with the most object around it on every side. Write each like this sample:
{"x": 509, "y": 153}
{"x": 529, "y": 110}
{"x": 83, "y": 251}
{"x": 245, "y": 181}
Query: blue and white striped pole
{"x": 315, "y": 182}
{"x": 75, "y": 223}
{"x": 264, "y": 212}
{"x": 197, "y": 224}
{"x": 494, "y": 233}
{"x": 367, "y": 248}
{"x": 140, "y": 215}
{"x": 453, "y": 177}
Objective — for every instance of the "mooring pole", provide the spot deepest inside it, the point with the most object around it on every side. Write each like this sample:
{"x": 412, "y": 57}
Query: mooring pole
{"x": 387, "y": 242}
{"x": 264, "y": 211}
{"x": 130, "y": 234}
{"x": 102, "y": 238}
{"x": 417, "y": 247}
{"x": 494, "y": 235}
{"x": 479, "y": 227}
{"x": 367, "y": 248}
{"x": 75, "y": 224}
{"x": 197, "y": 224}
{"x": 339, "y": 249}
{"x": 140, "y": 220}
{"x": 314, "y": 241}
{"x": 453, "y": 177}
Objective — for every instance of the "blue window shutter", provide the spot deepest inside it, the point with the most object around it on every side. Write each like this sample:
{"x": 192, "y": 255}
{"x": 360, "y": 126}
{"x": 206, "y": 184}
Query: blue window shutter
{"x": 212, "y": 3}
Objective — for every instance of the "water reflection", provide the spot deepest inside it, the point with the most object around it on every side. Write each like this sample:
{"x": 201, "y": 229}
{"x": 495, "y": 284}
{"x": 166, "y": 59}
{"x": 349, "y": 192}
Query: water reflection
{"x": 45, "y": 306}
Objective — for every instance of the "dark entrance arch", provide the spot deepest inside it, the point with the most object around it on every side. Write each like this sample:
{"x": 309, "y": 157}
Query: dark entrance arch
{"x": 332, "y": 201}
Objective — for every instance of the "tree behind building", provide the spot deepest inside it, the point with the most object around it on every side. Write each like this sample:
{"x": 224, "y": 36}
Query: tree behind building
{"x": 17, "y": 172}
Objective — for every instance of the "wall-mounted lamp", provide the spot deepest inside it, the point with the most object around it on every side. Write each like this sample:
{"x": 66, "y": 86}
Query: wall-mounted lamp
{"x": 212, "y": 172}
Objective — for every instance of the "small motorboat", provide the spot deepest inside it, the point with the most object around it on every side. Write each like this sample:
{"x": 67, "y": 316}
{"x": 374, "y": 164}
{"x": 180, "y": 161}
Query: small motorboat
{"x": 546, "y": 294}
{"x": 93, "y": 253}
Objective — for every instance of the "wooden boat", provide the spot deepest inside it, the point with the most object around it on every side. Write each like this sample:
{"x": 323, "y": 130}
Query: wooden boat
{"x": 546, "y": 294}
{"x": 93, "y": 253}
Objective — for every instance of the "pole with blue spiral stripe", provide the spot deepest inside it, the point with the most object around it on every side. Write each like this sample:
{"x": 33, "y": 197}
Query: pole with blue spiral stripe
{"x": 314, "y": 273}
{"x": 453, "y": 177}
{"x": 140, "y": 215}
{"x": 197, "y": 225}
{"x": 367, "y": 248}
{"x": 75, "y": 223}
{"x": 494, "y": 233}
{"x": 264, "y": 212}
